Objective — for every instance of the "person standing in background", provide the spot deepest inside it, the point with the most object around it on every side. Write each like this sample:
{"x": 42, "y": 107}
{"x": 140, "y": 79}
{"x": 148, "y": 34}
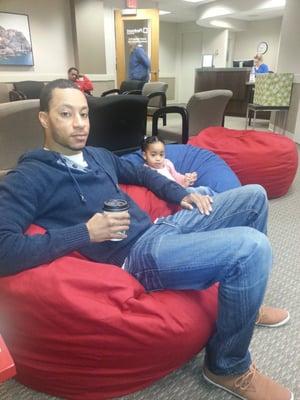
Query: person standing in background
{"x": 260, "y": 67}
{"x": 82, "y": 81}
{"x": 139, "y": 63}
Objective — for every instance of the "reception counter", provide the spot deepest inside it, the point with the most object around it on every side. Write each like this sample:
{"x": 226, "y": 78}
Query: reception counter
{"x": 234, "y": 79}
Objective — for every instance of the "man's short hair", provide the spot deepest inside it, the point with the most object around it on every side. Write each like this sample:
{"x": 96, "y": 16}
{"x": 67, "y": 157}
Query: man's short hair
{"x": 46, "y": 93}
{"x": 71, "y": 69}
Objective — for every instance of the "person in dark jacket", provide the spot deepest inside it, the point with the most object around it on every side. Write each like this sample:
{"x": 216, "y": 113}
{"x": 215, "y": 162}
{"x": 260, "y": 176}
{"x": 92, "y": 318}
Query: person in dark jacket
{"x": 139, "y": 63}
{"x": 63, "y": 187}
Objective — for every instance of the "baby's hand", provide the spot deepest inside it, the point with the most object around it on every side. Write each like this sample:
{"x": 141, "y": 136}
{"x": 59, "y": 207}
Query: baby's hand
{"x": 190, "y": 178}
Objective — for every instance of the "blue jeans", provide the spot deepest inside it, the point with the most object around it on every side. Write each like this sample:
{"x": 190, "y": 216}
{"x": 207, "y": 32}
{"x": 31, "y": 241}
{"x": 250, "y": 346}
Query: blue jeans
{"x": 189, "y": 250}
{"x": 204, "y": 190}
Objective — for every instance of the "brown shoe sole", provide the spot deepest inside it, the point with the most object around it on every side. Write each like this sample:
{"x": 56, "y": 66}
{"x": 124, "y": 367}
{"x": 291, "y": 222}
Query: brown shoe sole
{"x": 222, "y": 387}
{"x": 281, "y": 323}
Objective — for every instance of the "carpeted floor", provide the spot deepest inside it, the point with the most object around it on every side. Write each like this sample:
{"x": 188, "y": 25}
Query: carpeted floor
{"x": 275, "y": 351}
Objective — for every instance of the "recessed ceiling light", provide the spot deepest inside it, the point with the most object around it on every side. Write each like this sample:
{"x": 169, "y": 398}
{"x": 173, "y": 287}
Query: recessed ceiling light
{"x": 162, "y": 12}
{"x": 216, "y": 11}
{"x": 220, "y": 24}
{"x": 272, "y": 4}
{"x": 194, "y": 1}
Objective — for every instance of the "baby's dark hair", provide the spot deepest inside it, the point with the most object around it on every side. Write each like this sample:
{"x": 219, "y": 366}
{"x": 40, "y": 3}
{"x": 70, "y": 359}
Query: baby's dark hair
{"x": 149, "y": 140}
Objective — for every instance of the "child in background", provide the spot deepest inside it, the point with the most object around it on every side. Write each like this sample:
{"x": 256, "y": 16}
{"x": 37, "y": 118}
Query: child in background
{"x": 153, "y": 151}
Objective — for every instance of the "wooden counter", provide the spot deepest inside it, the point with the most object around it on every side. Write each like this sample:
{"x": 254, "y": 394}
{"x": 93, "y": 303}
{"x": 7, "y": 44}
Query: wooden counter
{"x": 234, "y": 79}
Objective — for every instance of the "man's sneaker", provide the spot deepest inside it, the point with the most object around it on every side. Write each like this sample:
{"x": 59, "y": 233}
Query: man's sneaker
{"x": 272, "y": 317}
{"x": 252, "y": 385}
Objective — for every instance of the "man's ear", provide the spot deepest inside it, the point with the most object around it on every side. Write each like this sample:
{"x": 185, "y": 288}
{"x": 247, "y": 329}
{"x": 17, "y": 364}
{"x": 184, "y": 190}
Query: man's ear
{"x": 43, "y": 117}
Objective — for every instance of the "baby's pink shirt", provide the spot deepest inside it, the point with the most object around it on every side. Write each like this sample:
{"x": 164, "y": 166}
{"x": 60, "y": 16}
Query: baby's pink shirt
{"x": 170, "y": 172}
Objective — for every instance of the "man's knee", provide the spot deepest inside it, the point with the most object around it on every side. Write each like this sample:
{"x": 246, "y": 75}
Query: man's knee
{"x": 256, "y": 190}
{"x": 257, "y": 249}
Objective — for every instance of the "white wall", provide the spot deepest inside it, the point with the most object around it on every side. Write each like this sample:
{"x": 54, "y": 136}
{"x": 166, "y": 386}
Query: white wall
{"x": 263, "y": 30}
{"x": 215, "y": 42}
{"x": 289, "y": 60}
{"x": 192, "y": 41}
{"x": 167, "y": 48}
{"x": 51, "y": 35}
{"x": 289, "y": 54}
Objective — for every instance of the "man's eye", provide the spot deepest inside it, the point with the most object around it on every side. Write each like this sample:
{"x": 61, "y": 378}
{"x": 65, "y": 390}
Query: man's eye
{"x": 65, "y": 114}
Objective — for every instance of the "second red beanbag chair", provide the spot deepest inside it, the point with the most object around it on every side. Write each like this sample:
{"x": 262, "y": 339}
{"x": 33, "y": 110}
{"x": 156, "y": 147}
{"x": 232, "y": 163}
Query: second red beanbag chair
{"x": 269, "y": 159}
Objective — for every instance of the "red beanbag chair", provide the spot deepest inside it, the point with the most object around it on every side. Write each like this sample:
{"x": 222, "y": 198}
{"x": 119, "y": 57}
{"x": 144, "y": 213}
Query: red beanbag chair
{"x": 266, "y": 158}
{"x": 83, "y": 330}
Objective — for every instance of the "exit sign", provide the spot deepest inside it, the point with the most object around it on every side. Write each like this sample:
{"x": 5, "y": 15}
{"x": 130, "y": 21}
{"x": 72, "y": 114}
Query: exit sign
{"x": 131, "y": 3}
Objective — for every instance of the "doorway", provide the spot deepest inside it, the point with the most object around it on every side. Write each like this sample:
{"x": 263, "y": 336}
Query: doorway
{"x": 142, "y": 27}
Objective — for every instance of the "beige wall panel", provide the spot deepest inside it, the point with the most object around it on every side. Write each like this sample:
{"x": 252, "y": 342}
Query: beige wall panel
{"x": 171, "y": 86}
{"x": 102, "y": 86}
{"x": 90, "y": 40}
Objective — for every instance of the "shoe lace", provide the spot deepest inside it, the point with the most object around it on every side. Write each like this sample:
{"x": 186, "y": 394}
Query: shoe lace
{"x": 244, "y": 381}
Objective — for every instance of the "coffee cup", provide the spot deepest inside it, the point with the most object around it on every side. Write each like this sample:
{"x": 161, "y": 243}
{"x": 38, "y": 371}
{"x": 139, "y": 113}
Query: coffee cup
{"x": 116, "y": 205}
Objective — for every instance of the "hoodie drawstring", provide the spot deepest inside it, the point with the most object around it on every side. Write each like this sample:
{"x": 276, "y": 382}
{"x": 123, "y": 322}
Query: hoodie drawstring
{"x": 77, "y": 187}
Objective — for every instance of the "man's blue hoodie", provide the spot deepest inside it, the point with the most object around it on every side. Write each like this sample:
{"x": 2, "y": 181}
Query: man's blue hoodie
{"x": 45, "y": 190}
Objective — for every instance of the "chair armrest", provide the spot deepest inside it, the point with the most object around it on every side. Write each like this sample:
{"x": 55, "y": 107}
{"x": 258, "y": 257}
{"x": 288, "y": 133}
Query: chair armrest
{"x": 111, "y": 91}
{"x": 133, "y": 92}
{"x": 16, "y": 95}
{"x": 172, "y": 110}
{"x": 162, "y": 95}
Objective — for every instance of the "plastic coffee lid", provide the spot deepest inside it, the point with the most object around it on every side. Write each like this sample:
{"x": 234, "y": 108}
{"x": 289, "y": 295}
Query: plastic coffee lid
{"x": 115, "y": 205}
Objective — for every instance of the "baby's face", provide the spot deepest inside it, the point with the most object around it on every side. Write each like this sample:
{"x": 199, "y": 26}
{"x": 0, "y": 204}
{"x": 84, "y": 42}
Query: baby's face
{"x": 155, "y": 155}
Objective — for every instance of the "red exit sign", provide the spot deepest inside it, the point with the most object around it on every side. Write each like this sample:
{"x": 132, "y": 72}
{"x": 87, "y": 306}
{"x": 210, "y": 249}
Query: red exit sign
{"x": 131, "y": 3}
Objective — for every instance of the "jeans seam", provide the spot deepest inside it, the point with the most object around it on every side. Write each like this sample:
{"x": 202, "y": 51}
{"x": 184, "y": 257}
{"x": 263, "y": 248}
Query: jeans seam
{"x": 231, "y": 215}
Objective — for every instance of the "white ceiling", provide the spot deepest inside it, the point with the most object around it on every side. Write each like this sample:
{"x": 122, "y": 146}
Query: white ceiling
{"x": 244, "y": 10}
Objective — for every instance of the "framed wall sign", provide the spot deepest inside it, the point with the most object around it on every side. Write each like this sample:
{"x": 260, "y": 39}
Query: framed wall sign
{"x": 207, "y": 60}
{"x": 15, "y": 40}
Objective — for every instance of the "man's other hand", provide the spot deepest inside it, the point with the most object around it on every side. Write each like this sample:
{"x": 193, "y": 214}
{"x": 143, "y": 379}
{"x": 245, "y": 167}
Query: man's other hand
{"x": 203, "y": 203}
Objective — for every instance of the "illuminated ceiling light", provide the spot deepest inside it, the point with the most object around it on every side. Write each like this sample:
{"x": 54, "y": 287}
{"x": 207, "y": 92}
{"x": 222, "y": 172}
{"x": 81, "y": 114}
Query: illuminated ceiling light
{"x": 162, "y": 12}
{"x": 220, "y": 24}
{"x": 216, "y": 11}
{"x": 272, "y": 4}
{"x": 193, "y": 1}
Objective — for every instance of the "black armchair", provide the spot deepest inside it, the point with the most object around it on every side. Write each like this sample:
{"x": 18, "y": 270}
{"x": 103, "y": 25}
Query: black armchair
{"x": 156, "y": 93}
{"x": 125, "y": 87}
{"x": 204, "y": 109}
{"x": 25, "y": 90}
{"x": 117, "y": 123}
{"x": 183, "y": 136}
